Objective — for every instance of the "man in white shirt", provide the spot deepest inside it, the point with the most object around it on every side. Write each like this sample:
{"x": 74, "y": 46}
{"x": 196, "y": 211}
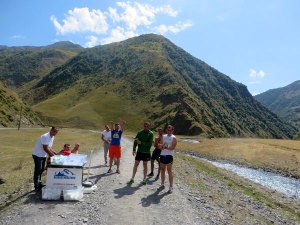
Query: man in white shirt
{"x": 106, "y": 137}
{"x": 42, "y": 147}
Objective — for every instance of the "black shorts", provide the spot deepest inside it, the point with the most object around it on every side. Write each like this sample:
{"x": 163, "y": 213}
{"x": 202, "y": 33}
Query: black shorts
{"x": 156, "y": 154}
{"x": 166, "y": 159}
{"x": 142, "y": 156}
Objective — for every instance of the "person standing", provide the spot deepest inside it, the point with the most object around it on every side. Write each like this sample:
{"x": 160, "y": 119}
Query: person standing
{"x": 115, "y": 145}
{"x": 106, "y": 137}
{"x": 156, "y": 153}
{"x": 42, "y": 147}
{"x": 143, "y": 140}
{"x": 166, "y": 157}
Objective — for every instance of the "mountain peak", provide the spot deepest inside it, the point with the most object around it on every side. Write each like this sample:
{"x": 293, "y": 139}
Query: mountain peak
{"x": 65, "y": 45}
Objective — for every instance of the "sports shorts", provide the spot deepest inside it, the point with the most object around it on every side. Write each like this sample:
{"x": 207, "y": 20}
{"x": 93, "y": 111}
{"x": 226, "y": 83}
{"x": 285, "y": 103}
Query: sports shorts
{"x": 166, "y": 159}
{"x": 156, "y": 154}
{"x": 114, "y": 151}
{"x": 142, "y": 156}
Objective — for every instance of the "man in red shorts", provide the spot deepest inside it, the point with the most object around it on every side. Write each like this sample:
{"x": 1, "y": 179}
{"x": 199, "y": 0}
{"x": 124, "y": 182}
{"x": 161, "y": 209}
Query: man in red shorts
{"x": 115, "y": 145}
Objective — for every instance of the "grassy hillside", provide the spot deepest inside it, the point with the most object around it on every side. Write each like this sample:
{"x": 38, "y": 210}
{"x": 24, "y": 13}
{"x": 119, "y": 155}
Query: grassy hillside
{"x": 10, "y": 107}
{"x": 92, "y": 110}
{"x": 284, "y": 101}
{"x": 20, "y": 65}
{"x": 166, "y": 84}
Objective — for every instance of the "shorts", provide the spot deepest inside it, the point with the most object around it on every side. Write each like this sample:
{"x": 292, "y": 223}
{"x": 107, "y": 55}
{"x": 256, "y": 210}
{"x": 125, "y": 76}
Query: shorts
{"x": 114, "y": 151}
{"x": 166, "y": 159}
{"x": 156, "y": 154}
{"x": 142, "y": 156}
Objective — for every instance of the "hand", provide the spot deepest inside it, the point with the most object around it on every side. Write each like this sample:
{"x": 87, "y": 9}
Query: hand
{"x": 133, "y": 153}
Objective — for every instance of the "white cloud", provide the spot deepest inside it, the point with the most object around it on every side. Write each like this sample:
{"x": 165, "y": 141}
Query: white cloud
{"x": 92, "y": 41}
{"x": 118, "y": 34}
{"x": 253, "y": 73}
{"x": 162, "y": 29}
{"x": 82, "y": 20}
{"x": 254, "y": 82}
{"x": 127, "y": 19}
{"x": 18, "y": 36}
{"x": 136, "y": 14}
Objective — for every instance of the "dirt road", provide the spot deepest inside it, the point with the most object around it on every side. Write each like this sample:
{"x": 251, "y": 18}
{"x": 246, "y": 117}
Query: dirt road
{"x": 114, "y": 202}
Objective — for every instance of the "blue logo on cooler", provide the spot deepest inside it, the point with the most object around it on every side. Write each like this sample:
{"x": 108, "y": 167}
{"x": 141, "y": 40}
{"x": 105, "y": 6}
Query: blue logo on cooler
{"x": 65, "y": 174}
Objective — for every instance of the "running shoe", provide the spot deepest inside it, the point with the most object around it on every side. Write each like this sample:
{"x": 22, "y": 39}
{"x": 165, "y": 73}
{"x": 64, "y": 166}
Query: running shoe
{"x": 131, "y": 181}
{"x": 150, "y": 174}
{"x": 109, "y": 171}
{"x": 144, "y": 182}
{"x": 161, "y": 187}
{"x": 170, "y": 191}
{"x": 118, "y": 171}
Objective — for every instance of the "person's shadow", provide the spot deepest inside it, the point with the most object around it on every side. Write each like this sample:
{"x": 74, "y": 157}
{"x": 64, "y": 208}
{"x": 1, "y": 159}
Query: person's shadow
{"x": 154, "y": 198}
{"x": 98, "y": 177}
{"x": 127, "y": 190}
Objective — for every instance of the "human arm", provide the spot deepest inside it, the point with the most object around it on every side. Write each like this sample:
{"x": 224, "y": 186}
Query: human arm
{"x": 122, "y": 125}
{"x": 135, "y": 145}
{"x": 173, "y": 145}
{"x": 75, "y": 149}
{"x": 112, "y": 127}
{"x": 49, "y": 150}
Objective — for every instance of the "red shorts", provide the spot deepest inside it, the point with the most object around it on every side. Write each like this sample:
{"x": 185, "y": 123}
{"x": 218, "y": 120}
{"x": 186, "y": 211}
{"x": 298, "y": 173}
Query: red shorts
{"x": 114, "y": 151}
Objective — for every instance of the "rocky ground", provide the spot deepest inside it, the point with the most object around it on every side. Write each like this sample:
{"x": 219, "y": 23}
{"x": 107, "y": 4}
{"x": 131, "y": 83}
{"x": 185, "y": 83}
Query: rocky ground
{"x": 200, "y": 197}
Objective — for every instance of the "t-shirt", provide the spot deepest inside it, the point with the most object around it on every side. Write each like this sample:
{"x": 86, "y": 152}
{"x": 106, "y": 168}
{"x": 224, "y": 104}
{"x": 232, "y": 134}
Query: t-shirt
{"x": 116, "y": 136}
{"x": 146, "y": 138}
{"x": 167, "y": 143}
{"x": 45, "y": 139}
{"x": 65, "y": 152}
{"x": 106, "y": 135}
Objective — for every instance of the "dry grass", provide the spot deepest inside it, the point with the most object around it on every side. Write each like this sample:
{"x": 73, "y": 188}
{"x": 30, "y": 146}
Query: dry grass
{"x": 277, "y": 155}
{"x": 16, "y": 163}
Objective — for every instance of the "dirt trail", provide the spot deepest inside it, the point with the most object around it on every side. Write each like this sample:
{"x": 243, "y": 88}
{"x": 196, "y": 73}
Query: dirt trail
{"x": 114, "y": 202}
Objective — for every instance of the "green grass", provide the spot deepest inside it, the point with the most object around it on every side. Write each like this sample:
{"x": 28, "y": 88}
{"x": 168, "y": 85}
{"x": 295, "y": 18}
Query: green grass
{"x": 93, "y": 110}
{"x": 16, "y": 163}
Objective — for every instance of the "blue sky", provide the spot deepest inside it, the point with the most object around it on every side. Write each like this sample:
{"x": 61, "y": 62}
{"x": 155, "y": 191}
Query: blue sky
{"x": 256, "y": 43}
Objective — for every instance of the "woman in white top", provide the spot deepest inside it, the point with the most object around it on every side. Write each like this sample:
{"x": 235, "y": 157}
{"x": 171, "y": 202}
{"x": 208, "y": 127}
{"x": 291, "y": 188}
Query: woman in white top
{"x": 106, "y": 137}
{"x": 166, "y": 157}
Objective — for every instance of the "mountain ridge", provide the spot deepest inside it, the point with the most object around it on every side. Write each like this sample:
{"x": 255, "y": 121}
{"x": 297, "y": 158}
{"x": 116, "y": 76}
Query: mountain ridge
{"x": 176, "y": 88}
{"x": 284, "y": 101}
{"x": 20, "y": 65}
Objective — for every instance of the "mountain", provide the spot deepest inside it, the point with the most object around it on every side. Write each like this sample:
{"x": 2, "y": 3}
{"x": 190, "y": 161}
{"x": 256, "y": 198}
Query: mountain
{"x": 150, "y": 78}
{"x": 10, "y": 107}
{"x": 21, "y": 65}
{"x": 65, "y": 45}
{"x": 284, "y": 101}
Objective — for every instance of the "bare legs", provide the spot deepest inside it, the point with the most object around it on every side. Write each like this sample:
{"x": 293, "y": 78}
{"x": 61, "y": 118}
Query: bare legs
{"x": 136, "y": 164}
{"x": 167, "y": 167}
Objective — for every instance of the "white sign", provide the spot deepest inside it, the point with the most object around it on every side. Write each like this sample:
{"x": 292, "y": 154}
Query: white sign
{"x": 64, "y": 178}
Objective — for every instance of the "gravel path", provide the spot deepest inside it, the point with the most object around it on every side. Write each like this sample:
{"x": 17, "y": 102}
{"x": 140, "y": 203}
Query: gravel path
{"x": 114, "y": 202}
